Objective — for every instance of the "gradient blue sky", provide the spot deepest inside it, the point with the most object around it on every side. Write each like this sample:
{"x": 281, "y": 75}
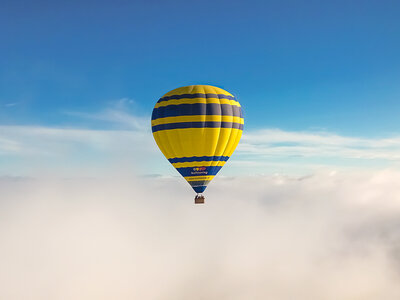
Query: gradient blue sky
{"x": 318, "y": 80}
{"x": 294, "y": 65}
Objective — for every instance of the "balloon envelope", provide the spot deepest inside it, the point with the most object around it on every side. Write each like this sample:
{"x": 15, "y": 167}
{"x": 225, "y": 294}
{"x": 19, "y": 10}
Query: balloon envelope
{"x": 197, "y": 128}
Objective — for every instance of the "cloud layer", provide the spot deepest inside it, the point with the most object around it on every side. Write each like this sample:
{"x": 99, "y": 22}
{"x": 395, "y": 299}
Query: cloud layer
{"x": 327, "y": 236}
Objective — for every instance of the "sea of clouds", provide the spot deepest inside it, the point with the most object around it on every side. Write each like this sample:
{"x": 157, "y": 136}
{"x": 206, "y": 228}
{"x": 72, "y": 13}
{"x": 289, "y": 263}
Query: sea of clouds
{"x": 329, "y": 236}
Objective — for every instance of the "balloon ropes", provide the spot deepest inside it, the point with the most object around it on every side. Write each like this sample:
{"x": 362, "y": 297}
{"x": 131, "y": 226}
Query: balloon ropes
{"x": 197, "y": 128}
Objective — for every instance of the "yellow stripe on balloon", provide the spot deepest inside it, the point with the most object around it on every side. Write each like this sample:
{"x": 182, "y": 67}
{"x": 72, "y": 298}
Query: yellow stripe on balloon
{"x": 199, "y": 164}
{"x": 190, "y": 142}
{"x": 196, "y": 100}
{"x": 199, "y": 178}
{"x": 233, "y": 143}
{"x": 197, "y": 89}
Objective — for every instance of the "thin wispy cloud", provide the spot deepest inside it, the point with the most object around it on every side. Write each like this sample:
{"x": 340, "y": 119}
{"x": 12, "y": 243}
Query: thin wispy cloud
{"x": 11, "y": 104}
{"x": 269, "y": 144}
{"x": 37, "y": 139}
{"x": 28, "y": 149}
{"x": 8, "y": 146}
{"x": 260, "y": 151}
{"x": 116, "y": 113}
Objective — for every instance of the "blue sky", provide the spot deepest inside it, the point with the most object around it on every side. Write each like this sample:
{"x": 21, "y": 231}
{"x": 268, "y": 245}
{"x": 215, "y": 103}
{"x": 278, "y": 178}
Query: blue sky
{"x": 296, "y": 66}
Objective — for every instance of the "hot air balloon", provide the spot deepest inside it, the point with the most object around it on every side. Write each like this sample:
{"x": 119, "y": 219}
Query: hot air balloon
{"x": 197, "y": 128}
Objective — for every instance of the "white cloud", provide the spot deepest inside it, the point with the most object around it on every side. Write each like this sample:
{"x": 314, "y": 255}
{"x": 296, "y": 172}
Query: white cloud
{"x": 127, "y": 121}
{"x": 272, "y": 142}
{"x": 117, "y": 113}
{"x": 27, "y": 150}
{"x": 326, "y": 237}
{"x": 306, "y": 152}
{"x": 38, "y": 140}
{"x": 11, "y": 104}
{"x": 9, "y": 146}
{"x": 265, "y": 151}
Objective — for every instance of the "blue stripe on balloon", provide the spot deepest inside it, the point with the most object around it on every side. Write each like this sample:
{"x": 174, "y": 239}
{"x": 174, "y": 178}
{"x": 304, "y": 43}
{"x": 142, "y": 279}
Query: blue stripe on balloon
{"x": 191, "y": 171}
{"x": 183, "y": 125}
{"x": 197, "y": 158}
{"x": 196, "y": 109}
{"x": 198, "y": 95}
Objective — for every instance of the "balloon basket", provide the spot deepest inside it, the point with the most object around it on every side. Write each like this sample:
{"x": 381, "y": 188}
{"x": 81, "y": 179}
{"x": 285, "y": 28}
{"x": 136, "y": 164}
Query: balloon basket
{"x": 199, "y": 199}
